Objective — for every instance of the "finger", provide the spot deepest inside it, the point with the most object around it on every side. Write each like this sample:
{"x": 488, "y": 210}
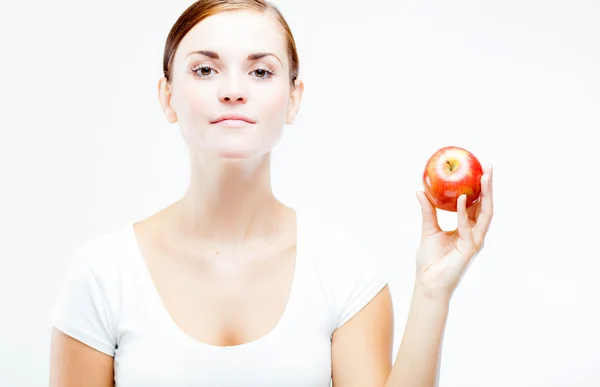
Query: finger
{"x": 487, "y": 207}
{"x": 464, "y": 227}
{"x": 474, "y": 210}
{"x": 429, "y": 225}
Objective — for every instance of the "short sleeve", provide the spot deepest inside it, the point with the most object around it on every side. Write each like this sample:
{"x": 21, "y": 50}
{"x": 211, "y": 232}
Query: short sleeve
{"x": 358, "y": 281}
{"x": 80, "y": 310}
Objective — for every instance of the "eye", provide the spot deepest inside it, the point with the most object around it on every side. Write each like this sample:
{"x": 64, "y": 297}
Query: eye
{"x": 203, "y": 70}
{"x": 264, "y": 72}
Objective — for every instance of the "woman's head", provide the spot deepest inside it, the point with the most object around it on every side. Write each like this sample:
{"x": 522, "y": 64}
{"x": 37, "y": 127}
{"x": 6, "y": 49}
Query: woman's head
{"x": 231, "y": 57}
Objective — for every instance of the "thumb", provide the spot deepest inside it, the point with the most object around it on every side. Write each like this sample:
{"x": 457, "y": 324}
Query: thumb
{"x": 429, "y": 224}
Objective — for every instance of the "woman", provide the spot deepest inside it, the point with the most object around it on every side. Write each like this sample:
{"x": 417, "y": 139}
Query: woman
{"x": 228, "y": 286}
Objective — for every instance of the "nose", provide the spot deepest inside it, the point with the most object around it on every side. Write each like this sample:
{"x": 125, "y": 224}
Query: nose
{"x": 232, "y": 97}
{"x": 232, "y": 93}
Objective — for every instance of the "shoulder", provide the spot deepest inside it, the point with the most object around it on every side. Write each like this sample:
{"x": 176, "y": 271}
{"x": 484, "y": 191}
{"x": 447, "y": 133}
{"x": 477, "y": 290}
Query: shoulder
{"x": 99, "y": 268}
{"x": 88, "y": 301}
{"x": 334, "y": 250}
{"x": 349, "y": 274}
{"x": 107, "y": 253}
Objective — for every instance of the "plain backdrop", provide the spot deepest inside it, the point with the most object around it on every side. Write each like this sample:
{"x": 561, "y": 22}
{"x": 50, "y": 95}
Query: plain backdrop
{"x": 84, "y": 148}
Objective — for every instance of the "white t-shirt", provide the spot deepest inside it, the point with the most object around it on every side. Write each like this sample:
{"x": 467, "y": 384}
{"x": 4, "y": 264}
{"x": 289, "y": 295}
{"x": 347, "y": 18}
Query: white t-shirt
{"x": 108, "y": 301}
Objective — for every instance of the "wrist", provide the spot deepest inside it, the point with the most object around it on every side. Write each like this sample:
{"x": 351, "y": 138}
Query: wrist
{"x": 427, "y": 312}
{"x": 435, "y": 298}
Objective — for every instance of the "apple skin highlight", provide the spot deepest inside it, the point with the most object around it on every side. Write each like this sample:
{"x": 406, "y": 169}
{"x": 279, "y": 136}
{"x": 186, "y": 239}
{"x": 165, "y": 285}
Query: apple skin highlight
{"x": 450, "y": 172}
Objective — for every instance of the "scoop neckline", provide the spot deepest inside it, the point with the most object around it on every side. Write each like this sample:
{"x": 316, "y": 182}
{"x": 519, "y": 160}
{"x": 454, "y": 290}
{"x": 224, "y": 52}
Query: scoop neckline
{"x": 162, "y": 312}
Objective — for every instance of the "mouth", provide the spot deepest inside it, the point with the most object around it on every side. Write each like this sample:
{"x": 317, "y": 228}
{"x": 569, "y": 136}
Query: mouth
{"x": 233, "y": 118}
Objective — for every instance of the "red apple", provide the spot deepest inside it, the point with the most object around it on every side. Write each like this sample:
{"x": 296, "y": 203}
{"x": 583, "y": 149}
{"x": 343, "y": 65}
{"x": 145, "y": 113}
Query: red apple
{"x": 449, "y": 173}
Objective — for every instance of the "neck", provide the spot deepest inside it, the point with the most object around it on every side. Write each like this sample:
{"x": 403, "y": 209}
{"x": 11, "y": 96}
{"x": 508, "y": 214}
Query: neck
{"x": 229, "y": 201}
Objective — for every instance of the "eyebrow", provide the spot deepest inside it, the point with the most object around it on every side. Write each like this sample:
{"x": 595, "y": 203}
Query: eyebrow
{"x": 251, "y": 57}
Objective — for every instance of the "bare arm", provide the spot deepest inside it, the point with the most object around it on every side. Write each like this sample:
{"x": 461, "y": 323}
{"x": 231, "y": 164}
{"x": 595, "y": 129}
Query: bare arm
{"x": 362, "y": 348}
{"x": 74, "y": 364}
{"x": 442, "y": 259}
{"x": 418, "y": 360}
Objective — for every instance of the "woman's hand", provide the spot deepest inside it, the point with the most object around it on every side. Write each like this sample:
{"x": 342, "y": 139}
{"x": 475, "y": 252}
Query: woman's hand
{"x": 444, "y": 256}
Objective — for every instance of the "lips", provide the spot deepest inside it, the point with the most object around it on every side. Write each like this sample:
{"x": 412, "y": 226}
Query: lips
{"x": 233, "y": 118}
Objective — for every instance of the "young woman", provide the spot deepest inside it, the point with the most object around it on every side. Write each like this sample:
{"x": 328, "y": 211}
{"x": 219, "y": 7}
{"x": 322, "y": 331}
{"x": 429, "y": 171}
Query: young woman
{"x": 228, "y": 286}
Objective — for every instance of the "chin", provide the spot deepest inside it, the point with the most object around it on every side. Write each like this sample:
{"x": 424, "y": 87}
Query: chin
{"x": 233, "y": 155}
{"x": 240, "y": 154}
{"x": 241, "y": 149}
{"x": 250, "y": 150}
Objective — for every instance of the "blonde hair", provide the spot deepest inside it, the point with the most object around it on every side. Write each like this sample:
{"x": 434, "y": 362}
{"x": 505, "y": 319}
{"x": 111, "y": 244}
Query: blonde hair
{"x": 202, "y": 9}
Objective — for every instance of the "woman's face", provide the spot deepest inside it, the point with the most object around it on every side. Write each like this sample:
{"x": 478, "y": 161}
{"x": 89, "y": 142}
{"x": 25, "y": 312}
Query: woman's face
{"x": 233, "y": 64}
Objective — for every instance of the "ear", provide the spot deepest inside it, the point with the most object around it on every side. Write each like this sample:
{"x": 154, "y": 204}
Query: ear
{"x": 294, "y": 104}
{"x": 164, "y": 96}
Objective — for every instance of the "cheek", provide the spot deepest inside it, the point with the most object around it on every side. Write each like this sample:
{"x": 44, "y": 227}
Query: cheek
{"x": 192, "y": 105}
{"x": 191, "y": 102}
{"x": 275, "y": 103}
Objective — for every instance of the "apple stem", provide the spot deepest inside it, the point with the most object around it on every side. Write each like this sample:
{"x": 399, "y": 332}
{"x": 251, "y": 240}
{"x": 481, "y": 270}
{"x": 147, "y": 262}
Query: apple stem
{"x": 450, "y": 165}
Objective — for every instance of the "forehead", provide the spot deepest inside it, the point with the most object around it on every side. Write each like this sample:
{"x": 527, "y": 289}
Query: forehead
{"x": 233, "y": 33}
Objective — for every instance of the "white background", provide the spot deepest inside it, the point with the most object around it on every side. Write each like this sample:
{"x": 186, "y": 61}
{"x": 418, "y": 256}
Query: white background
{"x": 84, "y": 148}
